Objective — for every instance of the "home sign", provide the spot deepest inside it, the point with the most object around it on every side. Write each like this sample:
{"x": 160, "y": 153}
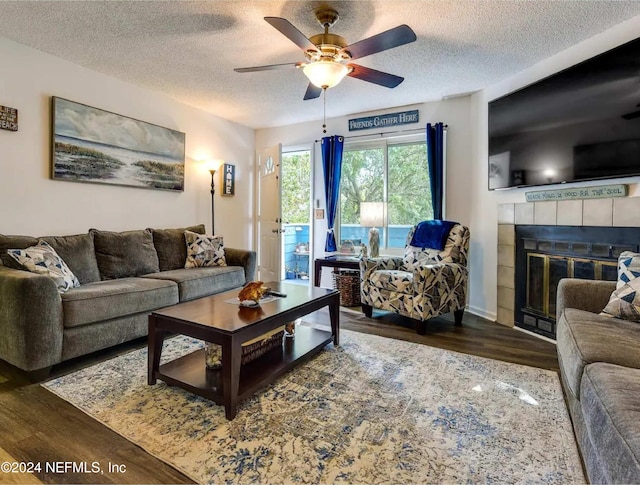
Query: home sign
{"x": 383, "y": 121}
{"x": 228, "y": 179}
{"x": 8, "y": 118}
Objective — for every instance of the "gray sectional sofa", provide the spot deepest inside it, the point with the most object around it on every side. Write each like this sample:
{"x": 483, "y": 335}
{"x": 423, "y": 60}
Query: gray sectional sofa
{"x": 123, "y": 277}
{"x": 600, "y": 370}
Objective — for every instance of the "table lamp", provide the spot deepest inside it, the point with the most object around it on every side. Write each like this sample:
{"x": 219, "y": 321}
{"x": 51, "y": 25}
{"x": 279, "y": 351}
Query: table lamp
{"x": 372, "y": 215}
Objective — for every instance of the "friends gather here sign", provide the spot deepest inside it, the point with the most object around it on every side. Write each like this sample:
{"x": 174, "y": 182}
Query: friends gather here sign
{"x": 382, "y": 121}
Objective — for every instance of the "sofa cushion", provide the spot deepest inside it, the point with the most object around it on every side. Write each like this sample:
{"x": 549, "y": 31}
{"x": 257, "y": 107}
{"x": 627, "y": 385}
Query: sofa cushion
{"x": 584, "y": 337}
{"x": 625, "y": 299}
{"x": 14, "y": 242}
{"x": 79, "y": 254}
{"x": 203, "y": 250}
{"x": 197, "y": 282}
{"x": 611, "y": 412}
{"x": 171, "y": 247}
{"x": 105, "y": 300}
{"x": 125, "y": 254}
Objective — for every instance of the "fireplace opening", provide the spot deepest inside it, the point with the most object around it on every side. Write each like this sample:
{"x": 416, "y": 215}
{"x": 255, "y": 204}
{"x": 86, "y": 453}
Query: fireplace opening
{"x": 546, "y": 254}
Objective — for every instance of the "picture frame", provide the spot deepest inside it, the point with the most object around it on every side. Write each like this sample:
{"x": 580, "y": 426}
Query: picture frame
{"x": 228, "y": 179}
{"x": 92, "y": 145}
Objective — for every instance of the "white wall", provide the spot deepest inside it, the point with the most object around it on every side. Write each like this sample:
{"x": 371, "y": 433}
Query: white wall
{"x": 483, "y": 204}
{"x": 33, "y": 204}
{"x": 453, "y": 112}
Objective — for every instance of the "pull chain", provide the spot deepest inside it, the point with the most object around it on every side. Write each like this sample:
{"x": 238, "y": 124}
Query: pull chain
{"x": 324, "y": 113}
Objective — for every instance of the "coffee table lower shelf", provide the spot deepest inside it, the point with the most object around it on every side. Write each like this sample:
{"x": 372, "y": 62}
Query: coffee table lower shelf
{"x": 191, "y": 373}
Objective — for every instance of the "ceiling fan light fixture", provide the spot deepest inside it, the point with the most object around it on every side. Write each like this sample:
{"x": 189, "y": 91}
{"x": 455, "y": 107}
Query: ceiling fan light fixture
{"x": 325, "y": 74}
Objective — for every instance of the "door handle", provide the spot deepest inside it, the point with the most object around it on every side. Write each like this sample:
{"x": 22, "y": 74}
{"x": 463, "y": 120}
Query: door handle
{"x": 275, "y": 231}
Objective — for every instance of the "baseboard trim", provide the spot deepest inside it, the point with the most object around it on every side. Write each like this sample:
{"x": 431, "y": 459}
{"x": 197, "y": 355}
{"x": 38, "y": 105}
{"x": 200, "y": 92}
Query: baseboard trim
{"x": 482, "y": 313}
{"x": 533, "y": 334}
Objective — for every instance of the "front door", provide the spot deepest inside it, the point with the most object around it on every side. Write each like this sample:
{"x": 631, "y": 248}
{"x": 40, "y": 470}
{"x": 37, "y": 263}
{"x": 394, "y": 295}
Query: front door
{"x": 269, "y": 214}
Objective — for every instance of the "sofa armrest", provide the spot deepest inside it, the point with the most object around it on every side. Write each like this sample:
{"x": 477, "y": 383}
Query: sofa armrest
{"x": 450, "y": 276}
{"x": 589, "y": 295}
{"x": 30, "y": 320}
{"x": 369, "y": 265}
{"x": 244, "y": 258}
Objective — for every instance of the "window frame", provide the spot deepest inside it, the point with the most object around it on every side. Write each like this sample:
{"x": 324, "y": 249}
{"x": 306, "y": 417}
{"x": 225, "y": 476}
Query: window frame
{"x": 384, "y": 144}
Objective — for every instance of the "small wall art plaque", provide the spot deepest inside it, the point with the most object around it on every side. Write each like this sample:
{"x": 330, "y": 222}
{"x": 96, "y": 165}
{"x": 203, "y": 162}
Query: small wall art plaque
{"x": 8, "y": 118}
{"x": 228, "y": 179}
{"x": 598, "y": 192}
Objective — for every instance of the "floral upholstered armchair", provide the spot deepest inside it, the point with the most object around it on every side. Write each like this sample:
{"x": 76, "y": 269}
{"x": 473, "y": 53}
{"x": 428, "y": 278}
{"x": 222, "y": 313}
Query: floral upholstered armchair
{"x": 426, "y": 282}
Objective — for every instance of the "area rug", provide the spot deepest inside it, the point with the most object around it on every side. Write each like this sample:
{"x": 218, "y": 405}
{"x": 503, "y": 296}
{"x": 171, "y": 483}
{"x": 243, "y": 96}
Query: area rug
{"x": 373, "y": 410}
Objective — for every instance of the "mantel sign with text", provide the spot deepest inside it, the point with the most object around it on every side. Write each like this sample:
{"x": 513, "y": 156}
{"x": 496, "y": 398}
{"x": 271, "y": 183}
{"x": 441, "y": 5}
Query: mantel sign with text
{"x": 598, "y": 192}
{"x": 383, "y": 121}
{"x": 8, "y": 118}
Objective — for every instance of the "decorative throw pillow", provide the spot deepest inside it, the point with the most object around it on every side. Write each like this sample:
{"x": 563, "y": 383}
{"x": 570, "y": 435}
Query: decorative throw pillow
{"x": 203, "y": 250}
{"x": 43, "y": 259}
{"x": 625, "y": 300}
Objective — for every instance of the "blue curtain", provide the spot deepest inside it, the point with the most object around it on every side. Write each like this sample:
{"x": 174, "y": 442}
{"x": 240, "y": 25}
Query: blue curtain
{"x": 435, "y": 154}
{"x": 332, "y": 167}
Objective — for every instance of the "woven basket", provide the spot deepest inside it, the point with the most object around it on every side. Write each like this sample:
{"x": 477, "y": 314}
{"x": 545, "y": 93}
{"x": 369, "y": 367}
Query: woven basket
{"x": 348, "y": 284}
{"x": 255, "y": 350}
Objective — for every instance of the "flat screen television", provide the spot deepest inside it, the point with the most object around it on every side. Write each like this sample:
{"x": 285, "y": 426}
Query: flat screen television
{"x": 582, "y": 123}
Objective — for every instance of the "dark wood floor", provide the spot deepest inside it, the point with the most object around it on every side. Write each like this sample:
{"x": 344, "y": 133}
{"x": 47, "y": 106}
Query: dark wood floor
{"x": 37, "y": 426}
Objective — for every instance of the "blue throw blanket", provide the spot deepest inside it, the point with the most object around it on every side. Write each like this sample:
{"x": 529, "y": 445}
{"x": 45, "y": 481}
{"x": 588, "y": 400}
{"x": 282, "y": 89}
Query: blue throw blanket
{"x": 432, "y": 234}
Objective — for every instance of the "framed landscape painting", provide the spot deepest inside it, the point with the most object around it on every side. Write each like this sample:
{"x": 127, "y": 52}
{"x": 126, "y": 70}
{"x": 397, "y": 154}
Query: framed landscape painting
{"x": 97, "y": 146}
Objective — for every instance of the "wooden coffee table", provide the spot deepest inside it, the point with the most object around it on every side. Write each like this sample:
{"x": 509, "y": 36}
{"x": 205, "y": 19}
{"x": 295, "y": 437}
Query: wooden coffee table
{"x": 214, "y": 320}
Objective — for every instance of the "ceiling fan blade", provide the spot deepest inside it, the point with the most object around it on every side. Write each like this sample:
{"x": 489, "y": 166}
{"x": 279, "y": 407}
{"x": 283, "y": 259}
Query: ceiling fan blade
{"x": 400, "y": 35}
{"x": 373, "y": 76}
{"x": 631, "y": 116}
{"x": 270, "y": 67}
{"x": 313, "y": 92}
{"x": 287, "y": 29}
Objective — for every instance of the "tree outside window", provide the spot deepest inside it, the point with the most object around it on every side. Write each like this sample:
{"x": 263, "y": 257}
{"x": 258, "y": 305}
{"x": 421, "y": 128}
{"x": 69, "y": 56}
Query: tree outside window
{"x": 296, "y": 187}
{"x": 365, "y": 172}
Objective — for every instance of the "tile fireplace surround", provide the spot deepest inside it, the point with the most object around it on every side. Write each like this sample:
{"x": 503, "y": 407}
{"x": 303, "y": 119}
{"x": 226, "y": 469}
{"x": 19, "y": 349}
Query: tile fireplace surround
{"x": 620, "y": 212}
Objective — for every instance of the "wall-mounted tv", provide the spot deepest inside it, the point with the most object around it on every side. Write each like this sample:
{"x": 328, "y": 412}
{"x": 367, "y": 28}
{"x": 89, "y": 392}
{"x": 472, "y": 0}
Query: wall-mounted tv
{"x": 582, "y": 123}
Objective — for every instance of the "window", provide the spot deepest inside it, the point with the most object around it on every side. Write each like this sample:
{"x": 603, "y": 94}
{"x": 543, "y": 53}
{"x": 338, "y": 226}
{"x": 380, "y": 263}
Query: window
{"x": 296, "y": 213}
{"x": 296, "y": 187}
{"x": 395, "y": 175}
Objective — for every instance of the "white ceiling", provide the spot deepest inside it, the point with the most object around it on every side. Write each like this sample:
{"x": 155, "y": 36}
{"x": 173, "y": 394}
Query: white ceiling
{"x": 188, "y": 50}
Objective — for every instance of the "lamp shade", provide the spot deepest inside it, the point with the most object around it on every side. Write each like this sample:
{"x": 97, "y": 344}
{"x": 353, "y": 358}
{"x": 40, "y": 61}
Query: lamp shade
{"x": 325, "y": 74}
{"x": 371, "y": 214}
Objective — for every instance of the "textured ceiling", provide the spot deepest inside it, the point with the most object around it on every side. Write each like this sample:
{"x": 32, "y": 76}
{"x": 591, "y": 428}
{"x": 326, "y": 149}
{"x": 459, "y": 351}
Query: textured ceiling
{"x": 188, "y": 50}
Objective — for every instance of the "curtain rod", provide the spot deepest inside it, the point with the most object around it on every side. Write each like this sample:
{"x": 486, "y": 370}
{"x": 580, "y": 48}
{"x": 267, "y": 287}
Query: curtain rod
{"x": 416, "y": 130}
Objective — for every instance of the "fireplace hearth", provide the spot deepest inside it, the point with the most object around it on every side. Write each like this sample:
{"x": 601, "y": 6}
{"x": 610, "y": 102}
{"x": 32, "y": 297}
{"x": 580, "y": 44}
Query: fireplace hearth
{"x": 546, "y": 254}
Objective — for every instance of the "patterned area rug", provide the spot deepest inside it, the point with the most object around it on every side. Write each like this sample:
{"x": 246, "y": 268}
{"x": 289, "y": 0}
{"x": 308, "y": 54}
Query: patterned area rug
{"x": 374, "y": 410}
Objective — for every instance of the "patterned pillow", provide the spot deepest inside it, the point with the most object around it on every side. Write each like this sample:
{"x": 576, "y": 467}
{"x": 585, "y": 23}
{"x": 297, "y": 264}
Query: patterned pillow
{"x": 43, "y": 259}
{"x": 203, "y": 250}
{"x": 625, "y": 300}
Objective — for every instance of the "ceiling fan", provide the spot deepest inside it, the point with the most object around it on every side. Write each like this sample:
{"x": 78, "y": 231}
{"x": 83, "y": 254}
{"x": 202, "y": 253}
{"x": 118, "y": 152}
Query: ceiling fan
{"x": 328, "y": 55}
